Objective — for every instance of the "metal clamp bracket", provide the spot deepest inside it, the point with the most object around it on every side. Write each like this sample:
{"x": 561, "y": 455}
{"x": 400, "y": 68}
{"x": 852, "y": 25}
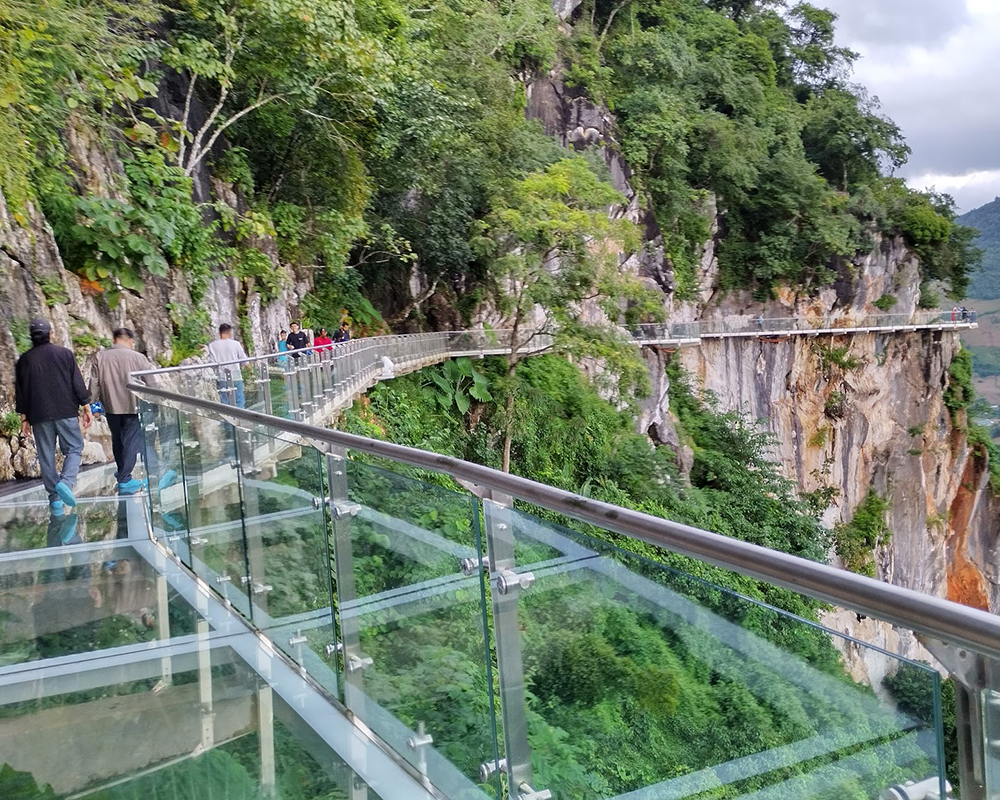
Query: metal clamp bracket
{"x": 525, "y": 792}
{"x": 359, "y": 663}
{"x": 344, "y": 509}
{"x": 508, "y": 580}
{"x": 488, "y": 768}
{"x": 470, "y": 566}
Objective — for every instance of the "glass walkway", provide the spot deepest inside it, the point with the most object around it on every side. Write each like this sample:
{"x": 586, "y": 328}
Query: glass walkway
{"x": 295, "y": 612}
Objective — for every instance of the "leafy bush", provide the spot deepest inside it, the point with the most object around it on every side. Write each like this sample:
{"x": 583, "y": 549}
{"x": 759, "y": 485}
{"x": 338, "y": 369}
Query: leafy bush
{"x": 191, "y": 331}
{"x": 885, "y": 302}
{"x": 54, "y": 290}
{"x": 855, "y": 541}
{"x": 457, "y": 382}
{"x": 838, "y": 357}
{"x": 836, "y": 405}
{"x": 959, "y": 393}
{"x": 10, "y": 423}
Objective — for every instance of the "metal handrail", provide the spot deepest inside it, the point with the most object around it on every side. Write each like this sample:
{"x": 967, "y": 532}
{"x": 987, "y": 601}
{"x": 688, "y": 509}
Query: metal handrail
{"x": 967, "y": 627}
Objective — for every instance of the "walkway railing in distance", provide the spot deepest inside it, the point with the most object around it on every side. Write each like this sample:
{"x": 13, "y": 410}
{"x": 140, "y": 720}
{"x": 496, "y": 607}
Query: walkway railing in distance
{"x": 684, "y": 333}
{"x": 439, "y": 601}
{"x": 310, "y": 383}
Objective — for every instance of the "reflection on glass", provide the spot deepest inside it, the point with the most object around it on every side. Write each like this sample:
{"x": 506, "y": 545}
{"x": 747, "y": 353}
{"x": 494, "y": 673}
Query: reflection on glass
{"x": 288, "y": 550}
{"x": 195, "y": 725}
{"x": 412, "y": 627}
{"x": 642, "y": 677}
{"x": 80, "y": 602}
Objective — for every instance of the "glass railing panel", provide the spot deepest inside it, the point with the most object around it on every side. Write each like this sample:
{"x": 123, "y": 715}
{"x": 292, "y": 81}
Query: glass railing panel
{"x": 215, "y": 544}
{"x": 288, "y": 550}
{"x": 163, "y": 454}
{"x": 69, "y": 600}
{"x": 412, "y": 617}
{"x": 640, "y": 679}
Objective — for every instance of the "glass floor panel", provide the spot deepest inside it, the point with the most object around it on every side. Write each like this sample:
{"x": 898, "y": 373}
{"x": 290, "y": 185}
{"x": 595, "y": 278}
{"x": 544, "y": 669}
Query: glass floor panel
{"x": 100, "y": 515}
{"x": 185, "y": 723}
{"x": 75, "y": 599}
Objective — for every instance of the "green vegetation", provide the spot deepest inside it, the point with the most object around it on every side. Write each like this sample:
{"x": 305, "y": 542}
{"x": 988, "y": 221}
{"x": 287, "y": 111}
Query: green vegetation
{"x": 10, "y": 423}
{"x": 885, "y": 302}
{"x": 839, "y": 357}
{"x": 836, "y": 405}
{"x": 372, "y": 137}
{"x": 909, "y": 688}
{"x": 958, "y": 394}
{"x": 855, "y": 541}
{"x": 619, "y": 696}
{"x": 985, "y": 220}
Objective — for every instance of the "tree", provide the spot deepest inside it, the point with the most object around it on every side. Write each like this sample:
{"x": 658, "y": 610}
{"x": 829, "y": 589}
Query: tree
{"x": 846, "y": 137}
{"x": 556, "y": 250}
{"x": 817, "y": 61}
{"x": 243, "y": 55}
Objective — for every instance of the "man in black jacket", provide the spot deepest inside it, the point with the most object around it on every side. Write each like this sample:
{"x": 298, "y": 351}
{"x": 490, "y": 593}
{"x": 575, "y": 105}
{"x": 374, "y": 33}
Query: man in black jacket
{"x": 49, "y": 391}
{"x": 297, "y": 340}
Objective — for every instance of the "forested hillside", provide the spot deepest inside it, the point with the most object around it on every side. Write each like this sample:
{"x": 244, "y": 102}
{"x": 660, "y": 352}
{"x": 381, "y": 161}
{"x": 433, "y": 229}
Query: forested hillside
{"x": 985, "y": 220}
{"x": 383, "y": 146}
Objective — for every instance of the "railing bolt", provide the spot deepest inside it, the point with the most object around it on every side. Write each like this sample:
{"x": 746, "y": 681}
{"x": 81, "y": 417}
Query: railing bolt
{"x": 488, "y": 768}
{"x": 332, "y": 649}
{"x": 470, "y": 566}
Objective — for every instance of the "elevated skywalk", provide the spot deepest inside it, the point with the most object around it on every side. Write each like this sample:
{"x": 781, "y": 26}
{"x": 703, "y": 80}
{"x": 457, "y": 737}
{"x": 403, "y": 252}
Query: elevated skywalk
{"x": 298, "y": 601}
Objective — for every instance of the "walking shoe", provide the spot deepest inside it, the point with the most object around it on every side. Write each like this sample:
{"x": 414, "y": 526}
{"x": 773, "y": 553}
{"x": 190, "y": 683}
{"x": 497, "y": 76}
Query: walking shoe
{"x": 65, "y": 491}
{"x": 56, "y": 507}
{"x": 131, "y": 486}
{"x": 168, "y": 479}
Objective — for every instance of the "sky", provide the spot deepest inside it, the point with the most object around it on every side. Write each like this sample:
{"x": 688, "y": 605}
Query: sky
{"x": 935, "y": 66}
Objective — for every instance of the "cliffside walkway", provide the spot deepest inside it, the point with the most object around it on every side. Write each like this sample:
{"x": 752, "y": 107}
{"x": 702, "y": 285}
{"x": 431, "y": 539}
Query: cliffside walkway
{"x": 747, "y": 326}
{"x": 299, "y": 589}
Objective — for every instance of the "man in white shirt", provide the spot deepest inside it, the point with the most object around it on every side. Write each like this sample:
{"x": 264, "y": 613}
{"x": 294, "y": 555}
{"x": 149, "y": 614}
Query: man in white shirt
{"x": 225, "y": 350}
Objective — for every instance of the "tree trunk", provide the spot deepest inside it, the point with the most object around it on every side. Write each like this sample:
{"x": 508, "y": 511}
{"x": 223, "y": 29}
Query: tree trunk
{"x": 508, "y": 433}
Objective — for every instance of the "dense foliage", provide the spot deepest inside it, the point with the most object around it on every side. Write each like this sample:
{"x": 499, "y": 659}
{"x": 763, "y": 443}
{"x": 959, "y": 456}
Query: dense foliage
{"x": 985, "y": 285}
{"x": 621, "y": 693}
{"x": 370, "y": 137}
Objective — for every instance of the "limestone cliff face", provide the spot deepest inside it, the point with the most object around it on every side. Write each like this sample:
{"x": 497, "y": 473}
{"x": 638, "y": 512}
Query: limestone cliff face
{"x": 874, "y": 422}
{"x": 29, "y": 258}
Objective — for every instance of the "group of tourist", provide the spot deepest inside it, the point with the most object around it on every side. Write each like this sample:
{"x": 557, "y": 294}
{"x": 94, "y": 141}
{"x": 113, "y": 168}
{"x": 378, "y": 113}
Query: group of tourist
{"x": 962, "y": 314}
{"x": 299, "y": 339}
{"x": 50, "y": 392}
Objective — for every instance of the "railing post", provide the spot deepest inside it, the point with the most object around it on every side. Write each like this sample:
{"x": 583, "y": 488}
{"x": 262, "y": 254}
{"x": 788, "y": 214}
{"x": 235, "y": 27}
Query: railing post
{"x": 265, "y": 385}
{"x": 341, "y": 512}
{"x": 498, "y": 523}
{"x": 291, "y": 389}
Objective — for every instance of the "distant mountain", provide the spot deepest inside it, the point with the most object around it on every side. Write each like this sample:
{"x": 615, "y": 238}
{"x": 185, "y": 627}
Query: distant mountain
{"x": 986, "y": 284}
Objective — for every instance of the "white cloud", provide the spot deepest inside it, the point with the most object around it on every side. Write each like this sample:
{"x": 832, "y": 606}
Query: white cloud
{"x": 970, "y": 190}
{"x": 932, "y": 63}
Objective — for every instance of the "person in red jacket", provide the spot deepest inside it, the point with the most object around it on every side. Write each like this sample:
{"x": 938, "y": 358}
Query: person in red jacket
{"x": 322, "y": 341}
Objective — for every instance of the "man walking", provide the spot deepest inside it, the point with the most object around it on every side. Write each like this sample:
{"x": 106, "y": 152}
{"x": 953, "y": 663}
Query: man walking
{"x": 344, "y": 334}
{"x": 108, "y": 385}
{"x": 49, "y": 391}
{"x": 224, "y": 350}
{"x": 297, "y": 340}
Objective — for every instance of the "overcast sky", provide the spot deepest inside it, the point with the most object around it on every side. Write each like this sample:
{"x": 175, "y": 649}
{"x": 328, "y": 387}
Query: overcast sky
{"x": 935, "y": 65}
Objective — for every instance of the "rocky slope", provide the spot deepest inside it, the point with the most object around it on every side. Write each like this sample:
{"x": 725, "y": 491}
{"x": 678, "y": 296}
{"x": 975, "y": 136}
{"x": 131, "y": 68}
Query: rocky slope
{"x": 31, "y": 266}
{"x": 877, "y": 422}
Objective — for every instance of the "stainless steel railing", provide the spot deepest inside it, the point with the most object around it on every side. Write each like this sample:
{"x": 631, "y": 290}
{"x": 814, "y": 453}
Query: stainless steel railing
{"x": 960, "y": 625}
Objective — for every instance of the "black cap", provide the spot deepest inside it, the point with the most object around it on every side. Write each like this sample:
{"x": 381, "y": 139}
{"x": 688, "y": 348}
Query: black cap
{"x": 39, "y": 325}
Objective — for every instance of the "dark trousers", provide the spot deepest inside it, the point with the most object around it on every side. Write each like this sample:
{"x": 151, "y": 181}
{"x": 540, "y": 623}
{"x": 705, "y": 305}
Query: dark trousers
{"x": 126, "y": 442}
